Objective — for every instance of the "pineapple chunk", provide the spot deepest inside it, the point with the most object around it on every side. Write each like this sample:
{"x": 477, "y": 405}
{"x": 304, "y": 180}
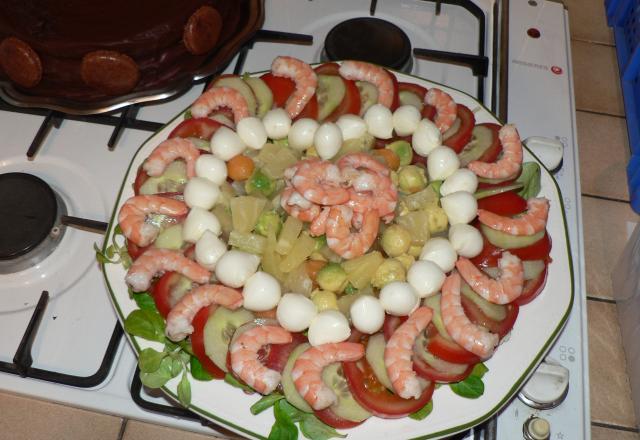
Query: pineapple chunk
{"x": 417, "y": 223}
{"x": 248, "y": 242}
{"x": 360, "y": 270}
{"x": 298, "y": 281}
{"x": 302, "y": 248}
{"x": 245, "y": 211}
{"x": 289, "y": 234}
{"x": 274, "y": 159}
{"x": 437, "y": 219}
{"x": 271, "y": 259}
{"x": 223, "y": 213}
{"x": 422, "y": 199}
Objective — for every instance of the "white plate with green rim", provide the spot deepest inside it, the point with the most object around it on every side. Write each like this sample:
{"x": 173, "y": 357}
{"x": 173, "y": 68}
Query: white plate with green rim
{"x": 538, "y": 325}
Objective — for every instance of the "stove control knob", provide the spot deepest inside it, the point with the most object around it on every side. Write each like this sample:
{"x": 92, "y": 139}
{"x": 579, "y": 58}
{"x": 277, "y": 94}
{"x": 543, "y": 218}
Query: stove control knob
{"x": 547, "y": 387}
{"x": 536, "y": 428}
{"x": 549, "y": 151}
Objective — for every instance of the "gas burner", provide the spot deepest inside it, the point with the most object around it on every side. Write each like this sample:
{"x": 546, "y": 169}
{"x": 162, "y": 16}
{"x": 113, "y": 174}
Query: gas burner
{"x": 369, "y": 39}
{"x": 30, "y": 227}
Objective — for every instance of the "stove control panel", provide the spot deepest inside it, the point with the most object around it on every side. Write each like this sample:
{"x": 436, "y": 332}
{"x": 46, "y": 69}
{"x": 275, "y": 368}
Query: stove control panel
{"x": 547, "y": 387}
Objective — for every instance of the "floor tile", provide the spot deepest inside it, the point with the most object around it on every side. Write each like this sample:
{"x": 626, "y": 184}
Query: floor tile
{"x": 596, "y": 81}
{"x": 604, "y": 153}
{"x": 609, "y": 385}
{"x": 29, "y": 419}
{"x": 605, "y": 226}
{"x": 588, "y": 21}
{"x": 599, "y": 433}
{"x": 135, "y": 430}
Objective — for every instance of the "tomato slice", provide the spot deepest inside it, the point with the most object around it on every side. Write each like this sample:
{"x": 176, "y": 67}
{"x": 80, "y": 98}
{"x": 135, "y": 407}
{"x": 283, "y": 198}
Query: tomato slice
{"x": 328, "y": 69}
{"x": 532, "y": 288}
{"x": 506, "y": 204}
{"x": 428, "y": 112}
{"x": 350, "y": 104}
{"x": 413, "y": 88}
{"x": 141, "y": 177}
{"x": 197, "y": 342}
{"x": 396, "y": 95}
{"x": 202, "y": 128}
{"x": 477, "y": 316}
{"x": 330, "y": 418}
{"x": 463, "y": 135}
{"x": 425, "y": 370}
{"x": 275, "y": 356}
{"x": 375, "y": 397}
{"x": 282, "y": 88}
{"x": 134, "y": 250}
{"x": 492, "y": 153}
{"x": 490, "y": 254}
{"x": 448, "y": 350}
{"x": 163, "y": 293}
{"x": 391, "y": 323}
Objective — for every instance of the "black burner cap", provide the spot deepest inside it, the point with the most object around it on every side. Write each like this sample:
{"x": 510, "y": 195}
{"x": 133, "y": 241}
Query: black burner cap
{"x": 368, "y": 39}
{"x": 27, "y": 213}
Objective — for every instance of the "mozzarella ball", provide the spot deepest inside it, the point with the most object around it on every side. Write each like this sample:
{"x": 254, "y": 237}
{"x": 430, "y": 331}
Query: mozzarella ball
{"x": 235, "y": 267}
{"x": 406, "y": 119}
{"x": 399, "y": 298}
{"x": 460, "y": 207}
{"x": 440, "y": 251}
{"x": 442, "y": 163}
{"x": 466, "y": 240}
{"x": 225, "y": 143}
{"x": 212, "y": 168}
{"x": 462, "y": 179}
{"x": 261, "y": 292}
{"x": 425, "y": 277}
{"x": 277, "y": 123}
{"x": 426, "y": 137}
{"x": 201, "y": 193}
{"x": 295, "y": 312}
{"x": 379, "y": 121}
{"x": 367, "y": 314}
{"x": 197, "y": 222}
{"x": 351, "y": 126}
{"x": 327, "y": 140}
{"x": 302, "y": 133}
{"x": 252, "y": 132}
{"x": 329, "y": 326}
{"x": 209, "y": 248}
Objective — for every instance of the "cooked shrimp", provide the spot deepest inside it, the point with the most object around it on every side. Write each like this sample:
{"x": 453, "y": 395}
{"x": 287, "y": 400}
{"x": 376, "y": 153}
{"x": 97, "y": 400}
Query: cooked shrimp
{"x": 244, "y": 356}
{"x": 305, "y": 78}
{"x": 154, "y": 261}
{"x": 319, "y": 225}
{"x": 181, "y": 315}
{"x": 319, "y": 182}
{"x": 498, "y": 291}
{"x": 508, "y": 165}
{"x": 217, "y": 97}
{"x": 529, "y": 223}
{"x": 446, "y": 108}
{"x": 307, "y": 371}
{"x": 167, "y": 152}
{"x": 399, "y": 351}
{"x": 133, "y": 214}
{"x": 470, "y": 336}
{"x": 373, "y": 191}
{"x": 361, "y": 161}
{"x": 376, "y": 75}
{"x": 296, "y": 205}
{"x": 349, "y": 244}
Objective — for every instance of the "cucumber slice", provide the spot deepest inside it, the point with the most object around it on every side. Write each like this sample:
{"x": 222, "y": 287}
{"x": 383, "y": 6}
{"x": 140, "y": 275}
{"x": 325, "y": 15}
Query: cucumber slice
{"x": 507, "y": 241}
{"x": 288, "y": 387}
{"x": 219, "y": 330}
{"x": 531, "y": 269}
{"x": 481, "y": 140}
{"x": 356, "y": 145}
{"x": 409, "y": 98}
{"x": 173, "y": 179}
{"x": 375, "y": 358}
{"x": 330, "y": 93}
{"x": 235, "y": 82}
{"x": 452, "y": 130}
{"x": 170, "y": 238}
{"x": 496, "y": 312}
{"x": 346, "y": 407}
{"x": 368, "y": 95}
{"x": 420, "y": 350}
{"x": 263, "y": 94}
{"x": 434, "y": 303}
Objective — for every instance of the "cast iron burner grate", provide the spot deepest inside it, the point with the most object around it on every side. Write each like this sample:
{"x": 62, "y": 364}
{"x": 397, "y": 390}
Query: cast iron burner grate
{"x": 369, "y": 39}
{"x": 30, "y": 227}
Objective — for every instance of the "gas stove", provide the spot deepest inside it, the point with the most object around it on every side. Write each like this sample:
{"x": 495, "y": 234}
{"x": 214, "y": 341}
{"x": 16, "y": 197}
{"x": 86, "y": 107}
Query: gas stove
{"x": 65, "y": 344}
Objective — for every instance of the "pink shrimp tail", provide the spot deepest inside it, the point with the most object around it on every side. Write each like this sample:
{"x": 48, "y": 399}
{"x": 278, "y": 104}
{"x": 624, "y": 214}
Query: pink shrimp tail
{"x": 154, "y": 261}
{"x": 529, "y": 223}
{"x": 304, "y": 77}
{"x": 167, "y": 152}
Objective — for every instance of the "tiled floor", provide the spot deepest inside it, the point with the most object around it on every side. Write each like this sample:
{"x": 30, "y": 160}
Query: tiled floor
{"x": 604, "y": 152}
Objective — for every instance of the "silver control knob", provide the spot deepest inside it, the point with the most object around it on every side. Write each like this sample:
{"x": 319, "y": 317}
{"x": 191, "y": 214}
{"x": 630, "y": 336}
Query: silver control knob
{"x": 549, "y": 151}
{"x": 547, "y": 387}
{"x": 536, "y": 428}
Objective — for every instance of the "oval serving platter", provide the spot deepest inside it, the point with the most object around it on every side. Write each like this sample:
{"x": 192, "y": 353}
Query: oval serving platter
{"x": 538, "y": 325}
